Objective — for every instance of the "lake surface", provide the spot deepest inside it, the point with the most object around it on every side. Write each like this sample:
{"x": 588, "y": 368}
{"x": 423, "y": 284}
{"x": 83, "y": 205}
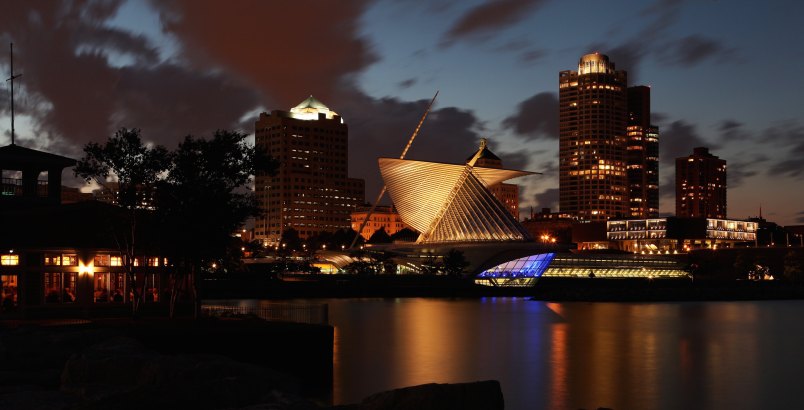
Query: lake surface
{"x": 690, "y": 355}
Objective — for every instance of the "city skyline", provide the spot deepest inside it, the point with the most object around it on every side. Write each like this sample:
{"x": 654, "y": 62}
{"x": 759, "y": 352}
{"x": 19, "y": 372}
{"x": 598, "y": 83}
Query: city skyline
{"x": 191, "y": 67}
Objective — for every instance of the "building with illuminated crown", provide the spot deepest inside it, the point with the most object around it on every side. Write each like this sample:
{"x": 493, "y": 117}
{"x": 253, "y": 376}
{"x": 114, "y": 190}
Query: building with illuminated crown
{"x": 701, "y": 185}
{"x": 311, "y": 192}
{"x": 593, "y": 184}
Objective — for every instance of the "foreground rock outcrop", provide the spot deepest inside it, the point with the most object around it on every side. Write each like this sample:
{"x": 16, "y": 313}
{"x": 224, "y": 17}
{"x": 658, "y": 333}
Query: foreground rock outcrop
{"x": 93, "y": 369}
{"x": 482, "y": 395}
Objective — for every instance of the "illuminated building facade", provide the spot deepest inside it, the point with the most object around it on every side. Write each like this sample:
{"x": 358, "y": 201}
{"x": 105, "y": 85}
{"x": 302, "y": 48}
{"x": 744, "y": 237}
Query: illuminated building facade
{"x": 592, "y": 140}
{"x": 383, "y": 217}
{"x": 701, "y": 185}
{"x": 642, "y": 156}
{"x": 451, "y": 202}
{"x": 311, "y": 191}
{"x": 507, "y": 194}
{"x": 677, "y": 234}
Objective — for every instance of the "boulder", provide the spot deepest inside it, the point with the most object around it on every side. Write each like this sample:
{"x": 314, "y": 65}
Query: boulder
{"x": 481, "y": 395}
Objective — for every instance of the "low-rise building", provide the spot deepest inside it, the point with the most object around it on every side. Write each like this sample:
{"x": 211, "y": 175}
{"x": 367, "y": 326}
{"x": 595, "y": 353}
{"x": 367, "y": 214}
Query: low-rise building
{"x": 674, "y": 234}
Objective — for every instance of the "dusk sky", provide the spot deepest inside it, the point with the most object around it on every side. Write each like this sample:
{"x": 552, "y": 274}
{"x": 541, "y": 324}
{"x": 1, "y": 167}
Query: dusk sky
{"x": 727, "y": 75}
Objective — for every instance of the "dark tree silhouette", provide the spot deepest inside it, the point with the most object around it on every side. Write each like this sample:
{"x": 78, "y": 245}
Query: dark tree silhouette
{"x": 136, "y": 169}
{"x": 454, "y": 262}
{"x": 380, "y": 236}
{"x": 205, "y": 199}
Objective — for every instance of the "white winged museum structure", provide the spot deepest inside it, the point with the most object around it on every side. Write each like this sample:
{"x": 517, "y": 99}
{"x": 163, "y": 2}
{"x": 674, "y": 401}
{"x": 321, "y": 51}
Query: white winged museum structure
{"x": 452, "y": 208}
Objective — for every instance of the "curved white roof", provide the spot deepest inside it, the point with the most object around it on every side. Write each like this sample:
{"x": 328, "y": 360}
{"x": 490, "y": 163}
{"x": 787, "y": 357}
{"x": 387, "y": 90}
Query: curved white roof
{"x": 445, "y": 204}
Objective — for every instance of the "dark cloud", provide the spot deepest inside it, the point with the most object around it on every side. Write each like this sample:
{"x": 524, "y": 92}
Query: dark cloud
{"x": 536, "y": 118}
{"x": 547, "y": 199}
{"x": 281, "y": 48}
{"x": 667, "y": 189}
{"x": 410, "y": 82}
{"x": 739, "y": 171}
{"x": 678, "y": 140}
{"x": 790, "y": 137}
{"x": 732, "y": 131}
{"x": 382, "y": 127}
{"x": 694, "y": 49}
{"x": 654, "y": 38}
{"x": 532, "y": 56}
{"x": 800, "y": 217}
{"x": 483, "y": 20}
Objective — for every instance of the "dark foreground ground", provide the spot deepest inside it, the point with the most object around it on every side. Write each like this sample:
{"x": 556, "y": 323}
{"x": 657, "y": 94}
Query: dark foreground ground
{"x": 185, "y": 364}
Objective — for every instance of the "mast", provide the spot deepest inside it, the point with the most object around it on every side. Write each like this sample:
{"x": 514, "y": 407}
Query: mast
{"x": 11, "y": 81}
{"x": 402, "y": 156}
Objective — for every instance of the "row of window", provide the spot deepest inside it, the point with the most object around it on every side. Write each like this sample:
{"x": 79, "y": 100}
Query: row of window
{"x": 71, "y": 259}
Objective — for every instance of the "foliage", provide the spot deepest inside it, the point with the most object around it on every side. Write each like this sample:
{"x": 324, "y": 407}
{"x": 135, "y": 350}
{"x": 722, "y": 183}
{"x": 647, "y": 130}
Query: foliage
{"x": 405, "y": 235}
{"x": 136, "y": 168}
{"x": 380, "y": 236}
{"x": 204, "y": 199}
{"x": 454, "y": 262}
{"x": 125, "y": 158}
{"x": 743, "y": 266}
{"x": 794, "y": 266}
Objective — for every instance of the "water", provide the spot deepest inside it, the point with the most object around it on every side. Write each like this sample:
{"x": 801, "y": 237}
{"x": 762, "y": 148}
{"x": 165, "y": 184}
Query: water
{"x": 692, "y": 355}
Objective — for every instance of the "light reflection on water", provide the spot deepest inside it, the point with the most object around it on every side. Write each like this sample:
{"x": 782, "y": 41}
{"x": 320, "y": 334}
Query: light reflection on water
{"x": 575, "y": 355}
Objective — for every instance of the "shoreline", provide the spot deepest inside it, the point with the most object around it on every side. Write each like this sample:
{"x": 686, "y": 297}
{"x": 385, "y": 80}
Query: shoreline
{"x": 546, "y": 289}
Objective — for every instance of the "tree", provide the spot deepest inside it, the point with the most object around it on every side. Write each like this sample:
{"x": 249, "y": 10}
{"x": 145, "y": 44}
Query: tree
{"x": 794, "y": 266}
{"x": 204, "y": 199}
{"x": 454, "y": 262}
{"x": 405, "y": 235}
{"x": 380, "y": 236}
{"x": 136, "y": 168}
{"x": 743, "y": 267}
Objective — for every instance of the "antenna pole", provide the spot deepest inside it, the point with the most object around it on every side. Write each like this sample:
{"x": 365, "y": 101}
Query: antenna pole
{"x": 402, "y": 156}
{"x": 11, "y": 80}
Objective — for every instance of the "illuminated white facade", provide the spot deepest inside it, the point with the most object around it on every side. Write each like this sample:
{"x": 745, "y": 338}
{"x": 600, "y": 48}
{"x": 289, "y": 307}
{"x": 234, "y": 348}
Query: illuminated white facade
{"x": 450, "y": 202}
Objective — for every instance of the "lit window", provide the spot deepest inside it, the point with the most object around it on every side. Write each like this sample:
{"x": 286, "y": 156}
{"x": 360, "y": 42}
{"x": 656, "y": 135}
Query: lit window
{"x": 115, "y": 261}
{"x": 10, "y": 260}
{"x": 101, "y": 260}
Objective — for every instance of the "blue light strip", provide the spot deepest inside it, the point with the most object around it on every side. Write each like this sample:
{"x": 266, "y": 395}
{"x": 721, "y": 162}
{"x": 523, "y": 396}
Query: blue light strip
{"x": 532, "y": 266}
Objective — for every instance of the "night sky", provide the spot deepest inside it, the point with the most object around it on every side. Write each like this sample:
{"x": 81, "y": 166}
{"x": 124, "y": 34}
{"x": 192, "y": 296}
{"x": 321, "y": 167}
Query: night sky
{"x": 728, "y": 75}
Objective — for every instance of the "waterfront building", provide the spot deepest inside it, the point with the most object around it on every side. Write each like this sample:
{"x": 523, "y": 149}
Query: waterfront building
{"x": 453, "y": 208}
{"x": 64, "y": 255}
{"x": 593, "y": 184}
{"x": 507, "y": 194}
{"x": 550, "y": 227}
{"x": 311, "y": 192}
{"x": 701, "y": 185}
{"x": 383, "y": 217}
{"x": 679, "y": 234}
{"x": 642, "y": 156}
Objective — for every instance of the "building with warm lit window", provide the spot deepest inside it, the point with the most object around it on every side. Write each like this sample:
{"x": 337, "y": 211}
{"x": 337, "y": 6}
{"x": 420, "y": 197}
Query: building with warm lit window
{"x": 701, "y": 185}
{"x": 507, "y": 194}
{"x": 593, "y": 183}
{"x": 677, "y": 234}
{"x": 383, "y": 217}
{"x": 642, "y": 156}
{"x": 111, "y": 192}
{"x": 311, "y": 191}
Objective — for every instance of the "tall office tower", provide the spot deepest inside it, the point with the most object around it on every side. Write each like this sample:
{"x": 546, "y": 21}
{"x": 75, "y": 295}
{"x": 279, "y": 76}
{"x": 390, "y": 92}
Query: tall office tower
{"x": 701, "y": 185}
{"x": 642, "y": 155}
{"x": 507, "y": 194}
{"x": 311, "y": 192}
{"x": 593, "y": 184}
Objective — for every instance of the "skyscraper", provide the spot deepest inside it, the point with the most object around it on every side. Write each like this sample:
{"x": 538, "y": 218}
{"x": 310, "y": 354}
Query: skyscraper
{"x": 311, "y": 191}
{"x": 701, "y": 185}
{"x": 642, "y": 156}
{"x": 593, "y": 184}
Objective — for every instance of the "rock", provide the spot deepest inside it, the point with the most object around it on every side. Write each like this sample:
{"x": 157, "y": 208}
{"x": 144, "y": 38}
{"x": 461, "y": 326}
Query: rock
{"x": 482, "y": 395}
{"x": 120, "y": 373}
